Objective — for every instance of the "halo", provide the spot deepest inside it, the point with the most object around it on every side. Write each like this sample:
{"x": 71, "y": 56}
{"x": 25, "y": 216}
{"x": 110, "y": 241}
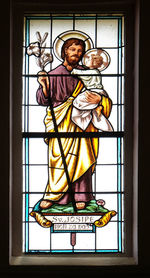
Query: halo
{"x": 60, "y": 39}
{"x": 98, "y": 53}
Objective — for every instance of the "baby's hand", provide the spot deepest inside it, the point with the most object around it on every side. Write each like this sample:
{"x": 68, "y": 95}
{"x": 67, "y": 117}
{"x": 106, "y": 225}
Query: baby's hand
{"x": 99, "y": 110}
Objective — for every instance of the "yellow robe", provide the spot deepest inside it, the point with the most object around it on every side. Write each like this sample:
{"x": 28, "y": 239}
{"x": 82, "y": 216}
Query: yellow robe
{"x": 80, "y": 153}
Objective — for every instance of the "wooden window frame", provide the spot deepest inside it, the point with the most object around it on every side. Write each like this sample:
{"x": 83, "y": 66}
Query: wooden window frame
{"x": 130, "y": 9}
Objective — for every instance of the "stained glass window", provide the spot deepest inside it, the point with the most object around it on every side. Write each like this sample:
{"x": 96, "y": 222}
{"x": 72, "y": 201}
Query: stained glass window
{"x": 73, "y": 133}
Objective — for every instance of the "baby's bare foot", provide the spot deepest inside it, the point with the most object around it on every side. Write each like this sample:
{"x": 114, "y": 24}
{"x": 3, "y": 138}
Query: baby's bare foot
{"x": 99, "y": 110}
{"x": 45, "y": 204}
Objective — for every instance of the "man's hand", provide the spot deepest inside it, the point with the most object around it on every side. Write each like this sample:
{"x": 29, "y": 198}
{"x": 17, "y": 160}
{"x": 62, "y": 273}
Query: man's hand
{"x": 44, "y": 81}
{"x": 92, "y": 97}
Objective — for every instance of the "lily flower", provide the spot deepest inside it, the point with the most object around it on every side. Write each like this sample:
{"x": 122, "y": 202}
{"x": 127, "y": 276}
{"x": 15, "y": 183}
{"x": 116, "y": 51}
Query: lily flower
{"x": 38, "y": 50}
{"x": 34, "y": 49}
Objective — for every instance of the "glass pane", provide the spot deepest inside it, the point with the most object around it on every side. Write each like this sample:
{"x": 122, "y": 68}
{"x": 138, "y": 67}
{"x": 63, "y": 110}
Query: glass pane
{"x": 42, "y": 26}
{"x": 72, "y": 123}
{"x": 86, "y": 24}
{"x": 107, "y": 32}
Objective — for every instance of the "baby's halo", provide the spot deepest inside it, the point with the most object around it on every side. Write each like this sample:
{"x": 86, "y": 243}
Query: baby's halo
{"x": 96, "y": 58}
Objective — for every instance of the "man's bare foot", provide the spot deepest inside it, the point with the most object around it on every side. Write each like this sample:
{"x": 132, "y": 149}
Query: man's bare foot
{"x": 80, "y": 205}
{"x": 45, "y": 204}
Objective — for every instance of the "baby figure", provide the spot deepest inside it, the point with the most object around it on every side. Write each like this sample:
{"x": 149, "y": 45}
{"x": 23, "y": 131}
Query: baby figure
{"x": 83, "y": 112}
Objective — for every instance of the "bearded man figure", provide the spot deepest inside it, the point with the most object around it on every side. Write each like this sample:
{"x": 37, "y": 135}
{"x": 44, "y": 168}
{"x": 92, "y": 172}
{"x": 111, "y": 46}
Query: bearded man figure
{"x": 80, "y": 153}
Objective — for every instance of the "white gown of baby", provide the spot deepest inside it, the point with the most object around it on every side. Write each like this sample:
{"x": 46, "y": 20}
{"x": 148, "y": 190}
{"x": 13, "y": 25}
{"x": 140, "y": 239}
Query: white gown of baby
{"x": 84, "y": 112}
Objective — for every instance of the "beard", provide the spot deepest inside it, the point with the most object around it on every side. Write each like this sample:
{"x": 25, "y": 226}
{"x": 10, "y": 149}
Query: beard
{"x": 72, "y": 60}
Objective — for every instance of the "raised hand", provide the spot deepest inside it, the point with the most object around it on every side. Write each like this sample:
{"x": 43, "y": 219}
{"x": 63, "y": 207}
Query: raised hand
{"x": 43, "y": 79}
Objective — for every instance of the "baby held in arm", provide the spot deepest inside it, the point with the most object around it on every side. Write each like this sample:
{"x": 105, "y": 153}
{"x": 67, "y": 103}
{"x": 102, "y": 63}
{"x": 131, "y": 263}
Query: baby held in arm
{"x": 84, "y": 110}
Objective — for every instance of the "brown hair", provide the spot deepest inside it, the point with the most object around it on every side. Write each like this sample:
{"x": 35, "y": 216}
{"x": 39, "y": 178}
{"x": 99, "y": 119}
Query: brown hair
{"x": 69, "y": 42}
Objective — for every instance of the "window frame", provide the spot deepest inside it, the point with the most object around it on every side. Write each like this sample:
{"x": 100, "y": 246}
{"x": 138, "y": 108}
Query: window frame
{"x": 131, "y": 139}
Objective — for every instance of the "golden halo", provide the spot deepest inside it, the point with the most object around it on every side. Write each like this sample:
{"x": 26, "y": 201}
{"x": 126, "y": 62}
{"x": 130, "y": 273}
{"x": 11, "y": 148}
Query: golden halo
{"x": 96, "y": 58}
{"x": 59, "y": 41}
